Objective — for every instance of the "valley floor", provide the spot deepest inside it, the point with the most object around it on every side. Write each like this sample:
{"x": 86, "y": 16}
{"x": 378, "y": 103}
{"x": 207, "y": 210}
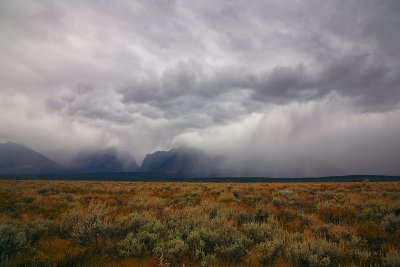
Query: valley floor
{"x": 94, "y": 223}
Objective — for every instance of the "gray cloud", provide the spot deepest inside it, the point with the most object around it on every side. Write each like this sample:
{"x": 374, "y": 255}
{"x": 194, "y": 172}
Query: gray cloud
{"x": 260, "y": 79}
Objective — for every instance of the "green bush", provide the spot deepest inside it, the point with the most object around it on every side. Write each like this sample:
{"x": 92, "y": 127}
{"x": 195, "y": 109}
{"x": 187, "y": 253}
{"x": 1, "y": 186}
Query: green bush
{"x": 391, "y": 223}
{"x": 278, "y": 203}
{"x": 354, "y": 245}
{"x": 188, "y": 199}
{"x": 258, "y": 233}
{"x": 148, "y": 240}
{"x": 172, "y": 250}
{"x": 130, "y": 223}
{"x": 392, "y": 259}
{"x": 155, "y": 226}
{"x": 10, "y": 239}
{"x": 85, "y": 225}
{"x": 322, "y": 230}
{"x": 232, "y": 245}
{"x": 145, "y": 202}
{"x": 202, "y": 242}
{"x": 5, "y": 262}
{"x": 261, "y": 215}
{"x": 209, "y": 210}
{"x": 267, "y": 252}
{"x": 213, "y": 213}
{"x": 372, "y": 211}
{"x": 35, "y": 230}
{"x": 312, "y": 252}
{"x": 131, "y": 246}
{"x": 142, "y": 241}
{"x": 227, "y": 197}
{"x": 243, "y": 218}
{"x": 49, "y": 191}
{"x": 180, "y": 224}
{"x": 397, "y": 210}
{"x": 338, "y": 235}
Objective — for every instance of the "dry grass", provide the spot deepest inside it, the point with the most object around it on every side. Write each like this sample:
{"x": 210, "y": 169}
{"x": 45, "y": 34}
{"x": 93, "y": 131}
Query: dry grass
{"x": 65, "y": 223}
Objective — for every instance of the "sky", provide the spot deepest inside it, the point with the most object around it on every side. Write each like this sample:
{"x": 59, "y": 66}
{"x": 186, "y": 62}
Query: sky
{"x": 281, "y": 88}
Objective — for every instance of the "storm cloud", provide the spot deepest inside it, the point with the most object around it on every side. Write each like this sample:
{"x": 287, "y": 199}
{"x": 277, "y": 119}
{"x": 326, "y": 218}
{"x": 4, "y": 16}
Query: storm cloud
{"x": 281, "y": 88}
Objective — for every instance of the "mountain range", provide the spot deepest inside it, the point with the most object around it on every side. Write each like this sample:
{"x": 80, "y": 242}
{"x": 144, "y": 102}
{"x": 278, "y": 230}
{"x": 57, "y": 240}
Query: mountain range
{"x": 107, "y": 160}
{"x": 15, "y": 158}
{"x": 183, "y": 160}
{"x": 19, "y": 159}
{"x": 187, "y": 161}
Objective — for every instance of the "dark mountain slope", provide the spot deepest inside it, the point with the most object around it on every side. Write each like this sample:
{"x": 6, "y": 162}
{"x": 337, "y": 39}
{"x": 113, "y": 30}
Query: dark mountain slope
{"x": 108, "y": 160}
{"x": 181, "y": 160}
{"x": 15, "y": 158}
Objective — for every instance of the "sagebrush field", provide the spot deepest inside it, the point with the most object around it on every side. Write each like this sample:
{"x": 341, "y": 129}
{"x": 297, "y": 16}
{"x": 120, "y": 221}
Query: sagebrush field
{"x": 69, "y": 223}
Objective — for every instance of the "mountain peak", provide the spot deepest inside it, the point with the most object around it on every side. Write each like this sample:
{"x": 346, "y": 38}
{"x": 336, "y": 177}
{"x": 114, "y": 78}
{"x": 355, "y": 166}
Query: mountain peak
{"x": 182, "y": 160}
{"x": 17, "y": 158}
{"x": 106, "y": 160}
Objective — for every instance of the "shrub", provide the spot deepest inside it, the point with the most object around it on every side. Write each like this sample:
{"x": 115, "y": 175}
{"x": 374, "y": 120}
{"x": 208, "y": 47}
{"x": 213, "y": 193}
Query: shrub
{"x": 181, "y": 223}
{"x": 267, "y": 252}
{"x": 338, "y": 233}
{"x": 85, "y": 225}
{"x": 155, "y": 226}
{"x": 35, "y": 230}
{"x": 130, "y": 223}
{"x": 243, "y": 218}
{"x": 322, "y": 230}
{"x": 208, "y": 260}
{"x": 162, "y": 262}
{"x": 312, "y": 252}
{"x": 232, "y": 245}
{"x": 354, "y": 245}
{"x": 258, "y": 233}
{"x": 261, "y": 215}
{"x": 277, "y": 203}
{"x": 392, "y": 259}
{"x": 372, "y": 211}
{"x": 28, "y": 200}
{"x": 55, "y": 209}
{"x": 227, "y": 197}
{"x": 148, "y": 240}
{"x": 210, "y": 210}
{"x": 213, "y": 213}
{"x": 391, "y": 223}
{"x": 145, "y": 202}
{"x": 142, "y": 241}
{"x": 331, "y": 213}
{"x": 187, "y": 199}
{"x": 202, "y": 242}
{"x": 5, "y": 261}
{"x": 130, "y": 246}
{"x": 397, "y": 211}
{"x": 173, "y": 250}
{"x": 287, "y": 196}
{"x": 49, "y": 191}
{"x": 10, "y": 239}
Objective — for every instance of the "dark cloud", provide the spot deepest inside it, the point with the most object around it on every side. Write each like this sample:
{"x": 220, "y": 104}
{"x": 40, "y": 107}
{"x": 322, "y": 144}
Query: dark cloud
{"x": 260, "y": 79}
{"x": 372, "y": 84}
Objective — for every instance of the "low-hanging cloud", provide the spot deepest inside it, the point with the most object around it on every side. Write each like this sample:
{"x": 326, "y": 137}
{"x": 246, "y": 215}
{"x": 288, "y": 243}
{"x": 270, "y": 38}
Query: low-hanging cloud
{"x": 282, "y": 88}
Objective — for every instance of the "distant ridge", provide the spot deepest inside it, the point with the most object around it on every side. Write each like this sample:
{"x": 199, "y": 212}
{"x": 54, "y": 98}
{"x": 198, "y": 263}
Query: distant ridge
{"x": 183, "y": 160}
{"x": 159, "y": 177}
{"x": 19, "y": 159}
{"x": 107, "y": 160}
{"x": 178, "y": 164}
{"x": 16, "y": 158}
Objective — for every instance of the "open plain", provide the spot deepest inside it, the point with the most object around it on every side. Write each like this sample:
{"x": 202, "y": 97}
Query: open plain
{"x": 99, "y": 223}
